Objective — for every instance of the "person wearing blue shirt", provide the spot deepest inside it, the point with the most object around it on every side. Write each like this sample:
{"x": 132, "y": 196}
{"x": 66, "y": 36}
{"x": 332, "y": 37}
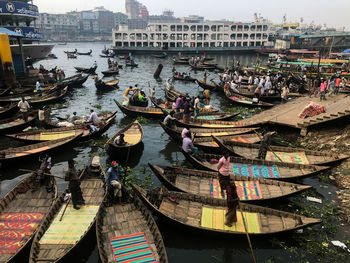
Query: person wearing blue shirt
{"x": 38, "y": 87}
{"x": 113, "y": 180}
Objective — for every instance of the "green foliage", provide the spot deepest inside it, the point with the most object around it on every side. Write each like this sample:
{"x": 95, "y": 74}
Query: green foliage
{"x": 143, "y": 120}
{"x": 138, "y": 177}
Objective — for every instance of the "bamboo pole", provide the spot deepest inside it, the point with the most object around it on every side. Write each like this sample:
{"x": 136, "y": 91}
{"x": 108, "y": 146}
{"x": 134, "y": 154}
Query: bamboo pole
{"x": 247, "y": 234}
{"x": 65, "y": 208}
{"x": 269, "y": 147}
{"x": 31, "y": 171}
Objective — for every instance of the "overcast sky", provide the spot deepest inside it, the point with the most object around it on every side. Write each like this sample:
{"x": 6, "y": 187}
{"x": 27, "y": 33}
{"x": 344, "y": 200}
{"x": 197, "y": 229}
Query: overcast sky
{"x": 331, "y": 12}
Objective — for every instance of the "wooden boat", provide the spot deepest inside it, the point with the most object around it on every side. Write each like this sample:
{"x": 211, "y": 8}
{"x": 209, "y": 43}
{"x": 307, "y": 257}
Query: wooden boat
{"x": 106, "y": 85}
{"x": 128, "y": 63}
{"x": 133, "y": 138}
{"x": 180, "y": 61}
{"x": 209, "y": 145}
{"x": 186, "y": 78}
{"x": 246, "y": 102}
{"x": 206, "y": 183}
{"x": 107, "y": 56}
{"x": 16, "y": 123}
{"x": 197, "y": 213}
{"x": 132, "y": 218}
{"x": 209, "y": 86}
{"x": 171, "y": 93}
{"x": 103, "y": 117}
{"x": 135, "y": 111}
{"x": 61, "y": 231}
{"x": 22, "y": 211}
{"x": 71, "y": 55}
{"x": 63, "y": 132}
{"x": 175, "y": 132}
{"x": 122, "y": 56}
{"x": 281, "y": 154}
{"x": 86, "y": 70}
{"x": 8, "y": 110}
{"x": 111, "y": 72}
{"x": 256, "y": 168}
{"x": 71, "y": 52}
{"x": 85, "y": 53}
{"x": 76, "y": 80}
{"x": 34, "y": 150}
{"x": 202, "y": 67}
{"x": 159, "y": 103}
{"x": 49, "y": 98}
{"x": 163, "y": 55}
{"x": 211, "y": 116}
{"x": 134, "y": 100}
{"x": 212, "y": 124}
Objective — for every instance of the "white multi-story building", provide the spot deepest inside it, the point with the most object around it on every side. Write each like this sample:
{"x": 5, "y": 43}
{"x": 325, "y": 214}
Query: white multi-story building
{"x": 206, "y": 36}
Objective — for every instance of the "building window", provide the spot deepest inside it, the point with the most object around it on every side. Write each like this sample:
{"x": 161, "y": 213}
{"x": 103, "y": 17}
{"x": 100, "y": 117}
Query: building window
{"x": 179, "y": 28}
{"x": 240, "y": 28}
{"x": 185, "y": 28}
{"x": 200, "y": 28}
{"x": 118, "y": 44}
{"x": 172, "y": 28}
{"x": 185, "y": 36}
{"x": 212, "y": 44}
{"x": 213, "y": 36}
{"x": 193, "y": 36}
{"x": 225, "y": 44}
{"x": 264, "y": 36}
{"x": 258, "y": 44}
{"x": 178, "y": 44}
{"x": 206, "y": 37}
{"x": 172, "y": 36}
{"x": 145, "y": 44}
{"x": 206, "y": 28}
{"x": 253, "y": 28}
{"x": 206, "y": 44}
{"x": 132, "y": 44}
{"x": 213, "y": 28}
{"x": 252, "y": 36}
{"x": 199, "y": 44}
{"x": 165, "y": 28}
{"x": 220, "y": 28}
{"x": 252, "y": 44}
{"x": 233, "y": 28}
{"x": 232, "y": 44}
{"x": 172, "y": 44}
{"x": 225, "y": 36}
{"x": 233, "y": 36}
{"x": 165, "y": 36}
{"x": 245, "y": 44}
{"x": 193, "y": 28}
{"x": 239, "y": 44}
{"x": 246, "y": 28}
{"x": 245, "y": 36}
{"x": 125, "y": 44}
{"x": 265, "y": 27}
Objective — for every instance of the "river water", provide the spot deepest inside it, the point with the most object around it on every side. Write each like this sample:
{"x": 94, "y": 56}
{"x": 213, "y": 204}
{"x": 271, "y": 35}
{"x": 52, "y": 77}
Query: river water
{"x": 159, "y": 149}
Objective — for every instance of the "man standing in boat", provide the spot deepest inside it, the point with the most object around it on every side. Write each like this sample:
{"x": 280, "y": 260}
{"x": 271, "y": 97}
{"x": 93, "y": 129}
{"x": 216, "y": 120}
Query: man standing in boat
{"x": 264, "y": 145}
{"x": 74, "y": 185}
{"x": 93, "y": 117}
{"x": 113, "y": 180}
{"x": 23, "y": 106}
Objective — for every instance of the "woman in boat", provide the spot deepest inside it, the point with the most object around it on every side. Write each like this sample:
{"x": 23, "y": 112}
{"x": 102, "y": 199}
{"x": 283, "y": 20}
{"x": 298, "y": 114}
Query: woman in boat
{"x": 74, "y": 185}
{"x": 224, "y": 172}
{"x": 113, "y": 182}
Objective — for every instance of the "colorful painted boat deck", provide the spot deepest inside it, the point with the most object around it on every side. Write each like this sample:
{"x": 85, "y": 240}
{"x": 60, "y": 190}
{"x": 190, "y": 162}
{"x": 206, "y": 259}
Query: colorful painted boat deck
{"x": 132, "y": 248}
{"x": 240, "y": 100}
{"x": 16, "y": 228}
{"x": 55, "y": 136}
{"x": 294, "y": 157}
{"x": 73, "y": 225}
{"x": 214, "y": 218}
{"x": 246, "y": 190}
{"x": 242, "y": 138}
{"x": 254, "y": 170}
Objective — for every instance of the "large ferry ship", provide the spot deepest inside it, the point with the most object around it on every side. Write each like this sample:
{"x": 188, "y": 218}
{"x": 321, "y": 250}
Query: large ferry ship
{"x": 201, "y": 36}
{"x": 19, "y": 16}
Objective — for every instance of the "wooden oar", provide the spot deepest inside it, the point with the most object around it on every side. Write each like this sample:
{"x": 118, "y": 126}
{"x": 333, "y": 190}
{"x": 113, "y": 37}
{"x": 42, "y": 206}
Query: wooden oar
{"x": 246, "y": 232}
{"x": 65, "y": 208}
{"x": 31, "y": 171}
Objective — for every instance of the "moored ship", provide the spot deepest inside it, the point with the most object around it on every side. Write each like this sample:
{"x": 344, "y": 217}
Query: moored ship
{"x": 19, "y": 16}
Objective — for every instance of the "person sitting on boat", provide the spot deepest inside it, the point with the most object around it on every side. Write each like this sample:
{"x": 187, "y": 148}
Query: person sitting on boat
{"x": 43, "y": 172}
{"x": 152, "y": 92}
{"x": 188, "y": 75}
{"x": 92, "y": 128}
{"x": 141, "y": 97}
{"x": 264, "y": 145}
{"x": 170, "y": 119}
{"x": 74, "y": 117}
{"x": 38, "y": 88}
{"x": 187, "y": 144}
{"x": 24, "y": 106}
{"x": 119, "y": 140}
{"x": 127, "y": 93}
{"x": 267, "y": 87}
{"x": 257, "y": 92}
{"x": 206, "y": 94}
{"x": 233, "y": 87}
{"x": 74, "y": 185}
{"x": 93, "y": 117}
{"x": 113, "y": 182}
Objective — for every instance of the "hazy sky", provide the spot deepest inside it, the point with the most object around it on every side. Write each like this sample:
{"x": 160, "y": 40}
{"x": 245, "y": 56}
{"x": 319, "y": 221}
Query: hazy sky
{"x": 331, "y": 12}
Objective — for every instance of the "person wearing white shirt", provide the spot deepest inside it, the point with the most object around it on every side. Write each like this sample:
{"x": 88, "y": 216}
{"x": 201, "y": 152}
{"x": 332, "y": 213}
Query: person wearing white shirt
{"x": 23, "y": 106}
{"x": 250, "y": 80}
{"x": 93, "y": 117}
{"x": 239, "y": 81}
{"x": 196, "y": 107}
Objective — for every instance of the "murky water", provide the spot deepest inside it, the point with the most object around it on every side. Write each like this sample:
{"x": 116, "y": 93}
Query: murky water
{"x": 182, "y": 246}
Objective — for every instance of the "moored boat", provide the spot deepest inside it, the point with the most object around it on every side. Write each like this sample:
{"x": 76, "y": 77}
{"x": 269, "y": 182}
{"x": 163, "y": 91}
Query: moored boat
{"x": 63, "y": 132}
{"x": 111, "y": 72}
{"x": 65, "y": 227}
{"x": 213, "y": 124}
{"x": 256, "y": 168}
{"x": 135, "y": 111}
{"x": 133, "y": 135}
{"x": 186, "y": 78}
{"x": 280, "y": 154}
{"x": 22, "y": 212}
{"x": 130, "y": 221}
{"x": 34, "y": 150}
{"x": 85, "y": 53}
{"x": 206, "y": 183}
{"x": 210, "y": 86}
{"x": 199, "y": 213}
{"x": 245, "y": 101}
{"x": 106, "y": 85}
{"x": 175, "y": 131}
{"x": 8, "y": 110}
{"x": 16, "y": 123}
